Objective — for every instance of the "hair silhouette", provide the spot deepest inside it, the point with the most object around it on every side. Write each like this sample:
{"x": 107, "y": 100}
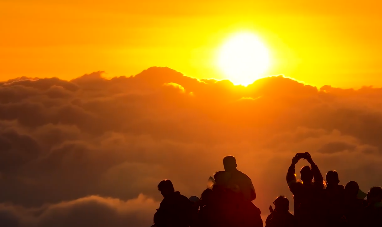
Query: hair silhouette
{"x": 281, "y": 203}
{"x": 306, "y": 174}
{"x": 166, "y": 187}
{"x": 175, "y": 209}
{"x": 351, "y": 189}
{"x": 375, "y": 195}
{"x": 332, "y": 177}
{"x": 229, "y": 163}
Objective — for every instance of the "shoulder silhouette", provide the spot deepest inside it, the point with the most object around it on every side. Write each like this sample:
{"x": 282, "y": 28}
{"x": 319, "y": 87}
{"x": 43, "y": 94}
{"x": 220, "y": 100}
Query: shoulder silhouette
{"x": 333, "y": 197}
{"x": 175, "y": 209}
{"x": 373, "y": 211}
{"x": 228, "y": 202}
{"x": 237, "y": 179}
{"x": 280, "y": 216}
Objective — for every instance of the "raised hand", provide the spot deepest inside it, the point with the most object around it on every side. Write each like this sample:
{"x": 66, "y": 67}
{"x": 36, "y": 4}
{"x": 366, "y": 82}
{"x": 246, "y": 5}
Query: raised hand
{"x": 308, "y": 157}
{"x": 295, "y": 159}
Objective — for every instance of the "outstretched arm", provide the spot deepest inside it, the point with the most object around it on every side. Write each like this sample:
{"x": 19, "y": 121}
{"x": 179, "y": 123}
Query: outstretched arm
{"x": 318, "y": 179}
{"x": 291, "y": 175}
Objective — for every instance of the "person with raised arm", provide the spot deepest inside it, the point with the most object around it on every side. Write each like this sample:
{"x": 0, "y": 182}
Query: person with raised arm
{"x": 307, "y": 193}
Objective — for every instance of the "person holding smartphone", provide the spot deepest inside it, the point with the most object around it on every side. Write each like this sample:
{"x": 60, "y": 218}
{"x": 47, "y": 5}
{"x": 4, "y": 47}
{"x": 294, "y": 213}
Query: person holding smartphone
{"x": 307, "y": 192}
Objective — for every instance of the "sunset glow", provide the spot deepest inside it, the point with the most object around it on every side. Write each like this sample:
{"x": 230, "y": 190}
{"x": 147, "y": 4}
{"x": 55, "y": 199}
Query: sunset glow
{"x": 243, "y": 58}
{"x": 241, "y": 106}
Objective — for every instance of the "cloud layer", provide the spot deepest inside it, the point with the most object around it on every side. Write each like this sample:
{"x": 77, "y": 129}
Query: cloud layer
{"x": 68, "y": 140}
{"x": 89, "y": 211}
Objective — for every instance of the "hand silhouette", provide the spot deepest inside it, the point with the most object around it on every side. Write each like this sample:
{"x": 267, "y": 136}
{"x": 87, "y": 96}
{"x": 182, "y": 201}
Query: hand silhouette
{"x": 308, "y": 157}
{"x": 296, "y": 158}
{"x": 271, "y": 208}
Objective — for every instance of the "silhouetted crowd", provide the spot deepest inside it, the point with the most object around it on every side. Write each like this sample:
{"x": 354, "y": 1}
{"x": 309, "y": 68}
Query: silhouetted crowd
{"x": 228, "y": 202}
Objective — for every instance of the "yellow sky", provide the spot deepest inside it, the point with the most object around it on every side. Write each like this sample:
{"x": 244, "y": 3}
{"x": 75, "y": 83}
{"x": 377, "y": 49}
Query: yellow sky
{"x": 315, "y": 42}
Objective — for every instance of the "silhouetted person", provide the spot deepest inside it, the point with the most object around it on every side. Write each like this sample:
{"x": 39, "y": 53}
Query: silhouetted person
{"x": 333, "y": 199}
{"x": 209, "y": 215}
{"x": 373, "y": 211}
{"x": 175, "y": 210}
{"x": 307, "y": 194}
{"x": 251, "y": 215}
{"x": 333, "y": 181}
{"x": 195, "y": 210}
{"x": 228, "y": 206}
{"x": 280, "y": 216}
{"x": 227, "y": 200}
{"x": 237, "y": 180}
{"x": 352, "y": 206}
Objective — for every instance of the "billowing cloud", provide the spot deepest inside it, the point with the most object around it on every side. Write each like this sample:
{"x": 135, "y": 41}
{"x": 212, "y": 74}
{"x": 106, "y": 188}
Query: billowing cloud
{"x": 88, "y": 211}
{"x": 117, "y": 138}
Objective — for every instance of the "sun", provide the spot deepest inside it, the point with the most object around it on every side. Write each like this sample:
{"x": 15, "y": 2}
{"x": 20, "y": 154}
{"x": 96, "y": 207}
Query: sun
{"x": 243, "y": 58}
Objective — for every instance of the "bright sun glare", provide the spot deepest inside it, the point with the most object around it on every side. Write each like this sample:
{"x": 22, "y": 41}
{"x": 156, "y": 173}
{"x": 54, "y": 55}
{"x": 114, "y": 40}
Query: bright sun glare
{"x": 243, "y": 58}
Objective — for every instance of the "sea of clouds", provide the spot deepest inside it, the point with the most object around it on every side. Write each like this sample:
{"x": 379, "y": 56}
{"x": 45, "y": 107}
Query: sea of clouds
{"x": 91, "y": 151}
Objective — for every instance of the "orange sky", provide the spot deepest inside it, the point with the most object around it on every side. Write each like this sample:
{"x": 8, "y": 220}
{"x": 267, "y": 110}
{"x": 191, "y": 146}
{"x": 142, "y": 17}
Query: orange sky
{"x": 336, "y": 43}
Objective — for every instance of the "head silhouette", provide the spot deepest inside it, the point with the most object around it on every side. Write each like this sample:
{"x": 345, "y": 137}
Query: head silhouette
{"x": 306, "y": 174}
{"x": 332, "y": 178}
{"x": 207, "y": 197}
{"x": 351, "y": 189}
{"x": 220, "y": 178}
{"x": 281, "y": 203}
{"x": 229, "y": 163}
{"x": 374, "y": 195}
{"x": 166, "y": 188}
